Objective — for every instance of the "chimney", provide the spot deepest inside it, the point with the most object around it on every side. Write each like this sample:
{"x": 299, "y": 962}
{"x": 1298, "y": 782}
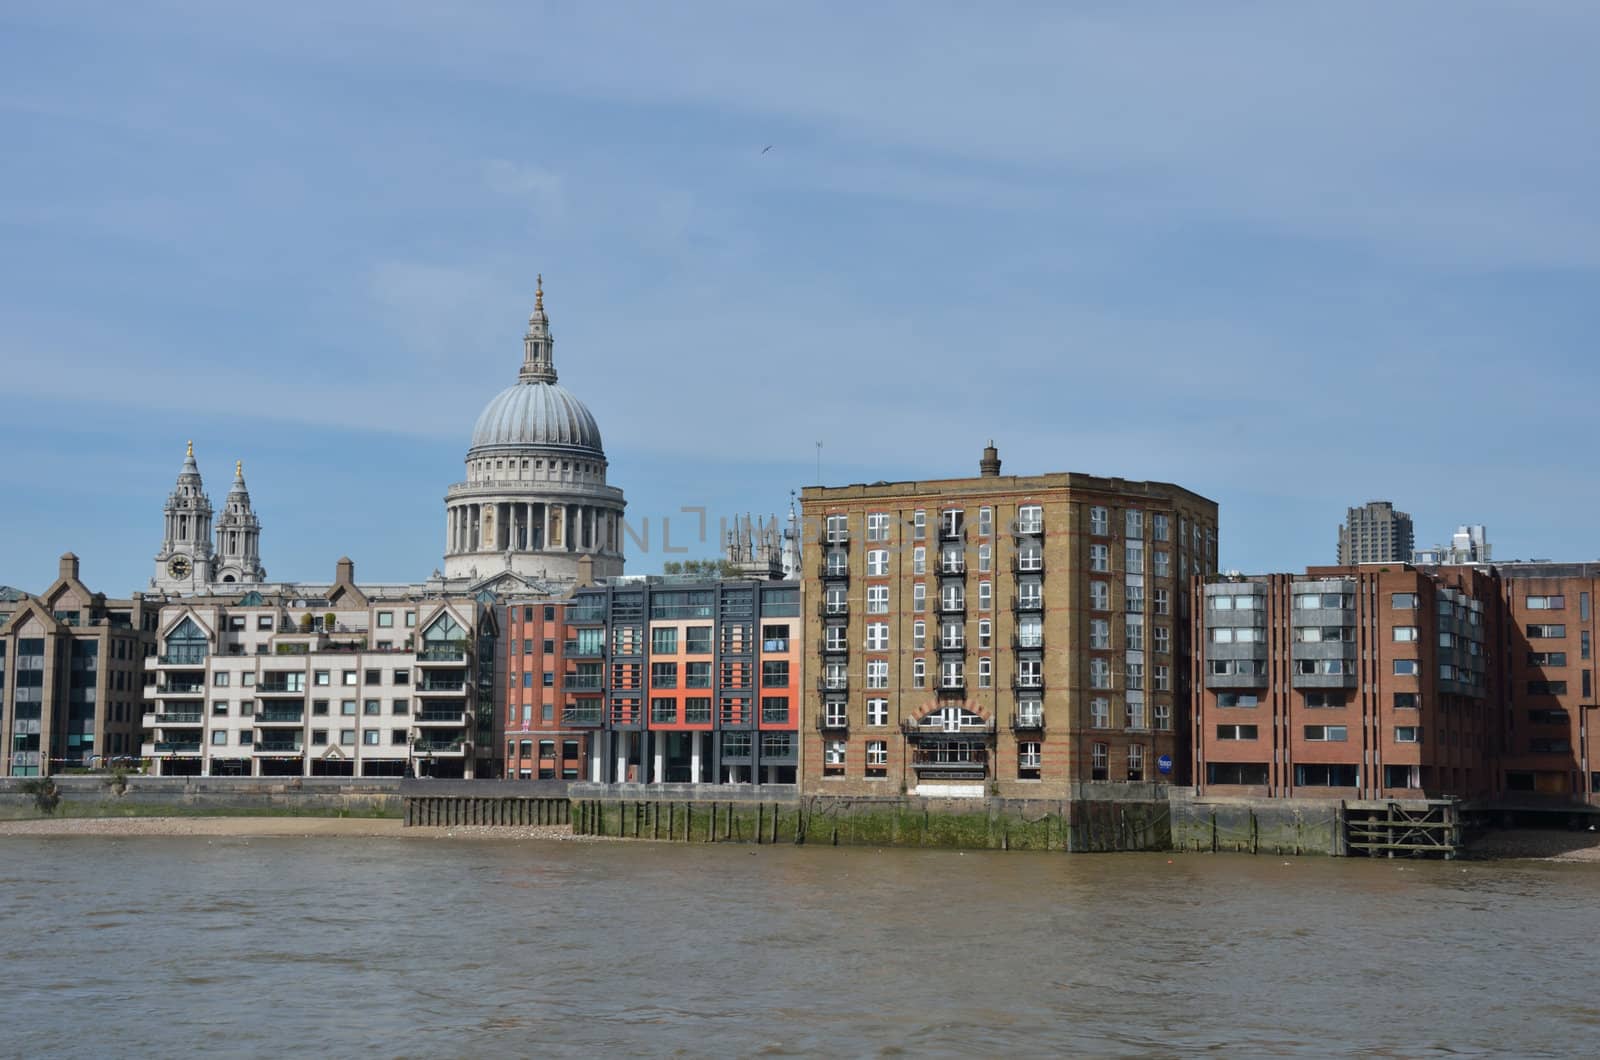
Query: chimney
{"x": 989, "y": 466}
{"x": 585, "y": 571}
{"x": 69, "y": 566}
{"x": 344, "y": 571}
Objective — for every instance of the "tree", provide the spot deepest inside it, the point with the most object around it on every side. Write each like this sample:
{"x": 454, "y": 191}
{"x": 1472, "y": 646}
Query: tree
{"x": 701, "y": 568}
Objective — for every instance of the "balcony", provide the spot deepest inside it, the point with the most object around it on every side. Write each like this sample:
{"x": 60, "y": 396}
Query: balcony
{"x": 736, "y": 715}
{"x": 581, "y": 682}
{"x": 1023, "y": 605}
{"x": 448, "y": 654}
{"x": 952, "y": 686}
{"x": 954, "y": 647}
{"x": 952, "y": 605}
{"x": 952, "y": 567}
{"x": 267, "y": 687}
{"x": 836, "y": 538}
{"x": 176, "y": 717}
{"x": 583, "y": 716}
{"x": 936, "y": 729}
{"x": 277, "y": 747}
{"x": 1027, "y": 642}
{"x": 837, "y": 724}
{"x": 178, "y": 747}
{"x": 833, "y": 609}
{"x": 955, "y": 759}
{"x": 437, "y": 747}
{"x": 626, "y": 714}
{"x": 433, "y": 716}
{"x": 835, "y": 647}
{"x": 1029, "y": 683}
{"x": 1028, "y": 529}
{"x": 1027, "y": 723}
{"x": 182, "y": 658}
{"x": 835, "y": 685}
{"x": 1027, "y": 566}
{"x": 833, "y": 571}
{"x": 280, "y": 716}
{"x": 182, "y": 688}
{"x": 429, "y": 683}
{"x": 573, "y": 650}
{"x": 952, "y": 533}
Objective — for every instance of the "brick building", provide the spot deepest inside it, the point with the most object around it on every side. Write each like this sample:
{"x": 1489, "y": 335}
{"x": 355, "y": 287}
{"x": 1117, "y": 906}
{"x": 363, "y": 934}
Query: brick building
{"x": 72, "y": 674}
{"x": 538, "y": 745}
{"x": 1018, "y": 634}
{"x": 681, "y": 680}
{"x": 1346, "y": 682}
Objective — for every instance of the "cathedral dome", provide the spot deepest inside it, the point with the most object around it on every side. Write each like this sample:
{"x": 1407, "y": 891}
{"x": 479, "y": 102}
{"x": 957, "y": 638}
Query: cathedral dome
{"x": 537, "y": 415}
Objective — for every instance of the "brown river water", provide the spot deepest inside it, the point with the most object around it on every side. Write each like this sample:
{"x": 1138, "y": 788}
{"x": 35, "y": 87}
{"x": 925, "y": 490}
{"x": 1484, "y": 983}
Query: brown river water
{"x": 375, "y": 947}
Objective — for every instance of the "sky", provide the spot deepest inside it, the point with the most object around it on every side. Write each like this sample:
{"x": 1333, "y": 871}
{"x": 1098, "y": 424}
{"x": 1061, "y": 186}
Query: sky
{"x": 1293, "y": 257}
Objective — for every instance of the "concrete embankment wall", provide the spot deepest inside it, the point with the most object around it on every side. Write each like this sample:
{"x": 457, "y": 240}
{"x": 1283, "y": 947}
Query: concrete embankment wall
{"x": 96, "y": 796}
{"x": 514, "y": 803}
{"x": 686, "y": 813}
{"x": 1258, "y": 826}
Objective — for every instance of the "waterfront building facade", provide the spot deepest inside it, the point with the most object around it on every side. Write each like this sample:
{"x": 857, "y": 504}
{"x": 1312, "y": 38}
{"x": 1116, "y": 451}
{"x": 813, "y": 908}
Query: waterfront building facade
{"x": 1026, "y": 636}
{"x": 72, "y": 673}
{"x": 1346, "y": 682}
{"x": 335, "y": 680}
{"x": 538, "y": 744}
{"x": 1375, "y": 533}
{"x": 535, "y": 499}
{"x": 681, "y": 680}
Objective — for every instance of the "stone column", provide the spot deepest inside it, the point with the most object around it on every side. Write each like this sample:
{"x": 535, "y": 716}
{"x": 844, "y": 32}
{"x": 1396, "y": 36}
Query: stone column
{"x": 621, "y": 739}
{"x": 660, "y": 771}
{"x": 694, "y": 757}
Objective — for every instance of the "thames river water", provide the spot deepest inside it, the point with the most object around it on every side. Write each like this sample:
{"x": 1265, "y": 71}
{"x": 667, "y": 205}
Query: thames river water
{"x": 426, "y": 948}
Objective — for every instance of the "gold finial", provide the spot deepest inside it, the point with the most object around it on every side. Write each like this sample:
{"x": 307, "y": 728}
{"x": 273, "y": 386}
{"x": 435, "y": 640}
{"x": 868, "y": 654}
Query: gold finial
{"x": 238, "y": 468}
{"x": 538, "y": 293}
{"x": 191, "y": 447}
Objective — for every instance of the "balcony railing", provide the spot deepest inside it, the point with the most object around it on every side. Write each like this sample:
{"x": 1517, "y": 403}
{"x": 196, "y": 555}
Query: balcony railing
{"x": 1028, "y": 529}
{"x": 178, "y": 747}
{"x": 1027, "y": 722}
{"x": 446, "y": 653}
{"x": 949, "y": 606}
{"x": 951, "y": 568}
{"x": 581, "y": 682}
{"x": 912, "y": 727}
{"x": 1028, "y": 683}
{"x": 573, "y": 650}
{"x": 280, "y": 688}
{"x": 836, "y": 538}
{"x": 838, "y": 609}
{"x": 833, "y": 684}
{"x": 1028, "y": 566}
{"x": 182, "y": 688}
{"x": 840, "y": 723}
{"x": 952, "y": 533}
{"x": 582, "y": 716}
{"x": 1024, "y": 604}
{"x": 833, "y": 570}
{"x": 626, "y": 714}
{"x": 431, "y": 684}
{"x": 280, "y": 747}
{"x": 836, "y": 647}
{"x": 451, "y": 717}
{"x": 182, "y": 658}
{"x": 952, "y": 685}
{"x": 180, "y": 717}
{"x": 735, "y": 715}
{"x": 955, "y": 759}
{"x": 437, "y": 746}
{"x": 1027, "y": 642}
{"x": 957, "y": 645}
{"x": 279, "y": 716}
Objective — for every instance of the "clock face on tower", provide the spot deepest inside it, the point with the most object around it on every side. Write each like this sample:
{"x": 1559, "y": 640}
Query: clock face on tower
{"x": 178, "y": 566}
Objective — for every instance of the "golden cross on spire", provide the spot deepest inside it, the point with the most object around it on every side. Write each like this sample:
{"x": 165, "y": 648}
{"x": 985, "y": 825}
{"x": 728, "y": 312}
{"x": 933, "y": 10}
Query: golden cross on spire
{"x": 538, "y": 293}
{"x": 238, "y": 468}
{"x": 191, "y": 448}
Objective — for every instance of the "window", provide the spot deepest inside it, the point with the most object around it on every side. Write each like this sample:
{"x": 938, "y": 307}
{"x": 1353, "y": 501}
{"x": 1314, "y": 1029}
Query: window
{"x": 1547, "y": 658}
{"x": 1405, "y": 634}
{"x": 877, "y": 636}
{"x": 877, "y": 673}
{"x": 664, "y": 641}
{"x": 1242, "y": 773}
{"x": 348, "y": 677}
{"x": 1099, "y": 633}
{"x": 833, "y": 757}
{"x": 877, "y": 712}
{"x": 370, "y": 707}
{"x": 950, "y": 523}
{"x": 1323, "y": 601}
{"x": 837, "y": 529}
{"x": 219, "y": 679}
{"x": 1326, "y": 733}
{"x": 320, "y": 677}
{"x": 402, "y": 677}
{"x": 1136, "y": 762}
{"x": 919, "y": 560}
{"x": 1547, "y": 688}
{"x": 985, "y": 558}
{"x": 698, "y": 674}
{"x": 1162, "y": 678}
{"x": 775, "y": 674}
{"x": 877, "y": 599}
{"x": 1100, "y": 558}
{"x": 1546, "y": 632}
{"x": 1133, "y": 598}
{"x": 1099, "y": 525}
{"x": 919, "y": 673}
{"x": 347, "y": 737}
{"x": 919, "y": 635}
{"x": 986, "y": 631}
{"x": 1030, "y": 519}
{"x": 1100, "y": 596}
{"x": 877, "y": 562}
{"x": 1163, "y": 640}
{"x": 1133, "y": 631}
{"x": 1236, "y": 667}
{"x": 1405, "y": 668}
{"x": 219, "y": 738}
{"x": 1133, "y": 714}
{"x": 1133, "y": 558}
{"x": 1162, "y": 602}
{"x": 985, "y": 595}
{"x": 1100, "y": 713}
{"x": 952, "y": 674}
{"x": 1099, "y": 673}
{"x": 697, "y": 640}
{"x": 1030, "y": 673}
{"x": 877, "y": 526}
{"x": 664, "y": 675}
{"x": 1161, "y": 564}
{"x": 1330, "y": 667}
{"x": 1164, "y": 716}
{"x": 347, "y": 708}
{"x": 370, "y": 737}
{"x": 1408, "y": 734}
{"x": 919, "y": 596}
{"x": 1583, "y": 645}
{"x": 1236, "y": 732}
{"x": 219, "y": 709}
{"x": 1547, "y": 603}
{"x": 1099, "y": 762}
{"x": 400, "y": 706}
{"x": 919, "y": 525}
{"x": 1133, "y": 523}
{"x": 985, "y": 521}
{"x": 877, "y": 758}
{"x": 1403, "y": 601}
{"x": 264, "y": 623}
{"x": 1238, "y": 699}
{"x": 1160, "y": 527}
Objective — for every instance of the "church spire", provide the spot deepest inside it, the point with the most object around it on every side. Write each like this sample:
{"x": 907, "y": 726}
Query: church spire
{"x": 538, "y": 360}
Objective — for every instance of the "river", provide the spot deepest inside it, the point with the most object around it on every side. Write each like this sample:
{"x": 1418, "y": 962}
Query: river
{"x": 256, "y": 947}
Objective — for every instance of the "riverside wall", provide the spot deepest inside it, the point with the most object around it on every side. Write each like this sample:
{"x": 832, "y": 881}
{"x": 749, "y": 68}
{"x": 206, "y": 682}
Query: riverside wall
{"x": 93, "y": 795}
{"x": 1257, "y": 826}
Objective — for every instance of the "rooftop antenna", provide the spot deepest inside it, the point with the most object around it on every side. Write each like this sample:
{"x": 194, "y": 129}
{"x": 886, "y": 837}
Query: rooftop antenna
{"x": 819, "y": 463}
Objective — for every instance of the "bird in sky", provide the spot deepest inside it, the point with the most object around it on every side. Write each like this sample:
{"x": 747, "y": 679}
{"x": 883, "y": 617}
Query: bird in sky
{"x": 765, "y": 149}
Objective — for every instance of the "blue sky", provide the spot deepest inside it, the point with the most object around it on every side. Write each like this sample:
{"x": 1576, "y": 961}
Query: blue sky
{"x": 1293, "y": 258}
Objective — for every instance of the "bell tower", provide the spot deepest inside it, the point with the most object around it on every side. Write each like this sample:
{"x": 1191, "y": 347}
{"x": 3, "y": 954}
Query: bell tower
{"x": 186, "y": 560}
{"x": 239, "y": 536}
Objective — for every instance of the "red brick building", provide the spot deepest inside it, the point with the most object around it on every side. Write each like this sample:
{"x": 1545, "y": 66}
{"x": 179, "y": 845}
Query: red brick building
{"x": 537, "y": 746}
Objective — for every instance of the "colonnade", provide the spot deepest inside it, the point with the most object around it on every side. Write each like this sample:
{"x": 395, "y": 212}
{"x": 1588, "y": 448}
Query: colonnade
{"x": 530, "y": 526}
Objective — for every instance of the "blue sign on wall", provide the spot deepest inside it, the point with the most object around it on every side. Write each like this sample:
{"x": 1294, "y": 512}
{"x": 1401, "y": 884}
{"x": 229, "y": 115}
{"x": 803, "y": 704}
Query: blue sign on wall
{"x": 1164, "y": 763}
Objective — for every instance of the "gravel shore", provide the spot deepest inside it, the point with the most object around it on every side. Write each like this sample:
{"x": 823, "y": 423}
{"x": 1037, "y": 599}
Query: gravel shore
{"x": 1537, "y": 844}
{"x": 253, "y": 827}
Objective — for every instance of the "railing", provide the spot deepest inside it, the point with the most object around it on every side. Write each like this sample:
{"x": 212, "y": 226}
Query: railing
{"x": 1027, "y": 643}
{"x": 279, "y": 747}
{"x": 952, "y": 567}
{"x": 935, "y": 758}
{"x": 911, "y": 727}
{"x": 626, "y": 713}
{"x": 453, "y": 717}
{"x": 582, "y": 716}
{"x": 1027, "y": 684}
{"x": 1028, "y": 603}
{"x": 182, "y": 658}
{"x": 953, "y": 645}
{"x": 270, "y": 717}
{"x": 833, "y": 570}
{"x": 1027, "y": 723}
{"x": 185, "y": 688}
{"x": 834, "y": 610}
{"x": 833, "y": 684}
{"x": 948, "y": 606}
{"x": 1024, "y": 566}
{"x": 443, "y": 653}
{"x": 430, "y": 685}
{"x": 437, "y": 746}
{"x": 836, "y": 724}
{"x": 1021, "y": 529}
{"x": 182, "y": 717}
{"x": 573, "y": 650}
{"x": 178, "y": 747}
{"x": 836, "y": 647}
{"x": 836, "y": 538}
{"x": 279, "y": 688}
{"x": 952, "y": 533}
{"x": 738, "y": 715}
{"x": 582, "y": 682}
